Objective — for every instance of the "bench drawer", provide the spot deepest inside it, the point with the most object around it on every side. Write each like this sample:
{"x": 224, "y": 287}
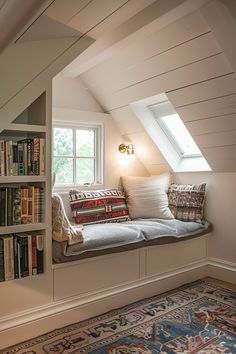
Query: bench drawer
{"x": 95, "y": 274}
{"x": 163, "y": 258}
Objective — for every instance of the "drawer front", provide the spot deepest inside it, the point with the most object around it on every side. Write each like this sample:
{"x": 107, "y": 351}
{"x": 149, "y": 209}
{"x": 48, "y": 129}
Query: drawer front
{"x": 163, "y": 258}
{"x": 96, "y": 274}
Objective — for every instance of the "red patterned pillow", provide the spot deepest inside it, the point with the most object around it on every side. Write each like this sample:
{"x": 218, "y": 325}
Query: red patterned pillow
{"x": 103, "y": 206}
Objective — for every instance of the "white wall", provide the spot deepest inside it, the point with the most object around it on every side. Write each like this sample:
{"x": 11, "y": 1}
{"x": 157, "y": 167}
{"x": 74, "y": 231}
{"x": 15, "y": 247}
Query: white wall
{"x": 71, "y": 93}
{"x": 220, "y": 210}
{"x": 71, "y": 101}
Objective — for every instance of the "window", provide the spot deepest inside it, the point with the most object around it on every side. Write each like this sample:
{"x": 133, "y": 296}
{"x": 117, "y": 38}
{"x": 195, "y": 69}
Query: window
{"x": 175, "y": 130}
{"x": 77, "y": 155}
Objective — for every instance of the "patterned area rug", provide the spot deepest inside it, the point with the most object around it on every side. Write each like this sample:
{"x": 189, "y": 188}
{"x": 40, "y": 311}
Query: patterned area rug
{"x": 195, "y": 318}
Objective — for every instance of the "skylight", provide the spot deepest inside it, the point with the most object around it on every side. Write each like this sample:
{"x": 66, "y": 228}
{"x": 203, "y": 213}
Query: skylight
{"x": 174, "y": 128}
{"x": 167, "y": 131}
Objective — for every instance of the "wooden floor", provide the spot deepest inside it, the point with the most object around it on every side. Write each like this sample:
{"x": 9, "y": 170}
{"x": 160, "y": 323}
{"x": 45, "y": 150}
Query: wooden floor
{"x": 221, "y": 283}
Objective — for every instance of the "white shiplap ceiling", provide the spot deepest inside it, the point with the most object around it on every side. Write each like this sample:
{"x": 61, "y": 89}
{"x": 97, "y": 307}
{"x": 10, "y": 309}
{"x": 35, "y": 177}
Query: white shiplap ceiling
{"x": 185, "y": 48}
{"x": 193, "y": 61}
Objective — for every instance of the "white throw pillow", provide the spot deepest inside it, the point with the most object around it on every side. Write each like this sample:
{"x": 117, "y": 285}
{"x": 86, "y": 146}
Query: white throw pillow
{"x": 147, "y": 196}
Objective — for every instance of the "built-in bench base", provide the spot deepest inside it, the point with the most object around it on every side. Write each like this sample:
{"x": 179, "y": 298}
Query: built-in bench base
{"x": 117, "y": 269}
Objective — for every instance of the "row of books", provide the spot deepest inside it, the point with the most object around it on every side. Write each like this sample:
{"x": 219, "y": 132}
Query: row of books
{"x": 21, "y": 205}
{"x": 22, "y": 158}
{"x": 21, "y": 255}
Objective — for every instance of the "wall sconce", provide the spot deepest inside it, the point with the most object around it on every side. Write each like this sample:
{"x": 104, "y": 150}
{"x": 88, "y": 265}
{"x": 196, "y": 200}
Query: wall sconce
{"x": 128, "y": 149}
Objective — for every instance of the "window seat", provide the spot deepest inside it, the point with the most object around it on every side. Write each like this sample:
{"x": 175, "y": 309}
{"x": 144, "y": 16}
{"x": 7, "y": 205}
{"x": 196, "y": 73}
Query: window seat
{"x": 100, "y": 239}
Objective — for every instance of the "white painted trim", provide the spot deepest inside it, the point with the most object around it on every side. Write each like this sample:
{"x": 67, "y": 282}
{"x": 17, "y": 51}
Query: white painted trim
{"x": 216, "y": 262}
{"x": 222, "y": 270}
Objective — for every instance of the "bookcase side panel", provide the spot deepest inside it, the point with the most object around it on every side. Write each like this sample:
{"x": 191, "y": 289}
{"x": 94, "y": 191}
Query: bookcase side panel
{"x": 29, "y": 292}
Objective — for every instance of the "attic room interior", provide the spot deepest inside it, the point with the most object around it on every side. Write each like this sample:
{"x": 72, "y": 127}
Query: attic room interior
{"x": 117, "y": 170}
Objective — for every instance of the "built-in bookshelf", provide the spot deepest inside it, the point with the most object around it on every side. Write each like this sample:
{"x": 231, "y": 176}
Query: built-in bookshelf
{"x": 23, "y": 184}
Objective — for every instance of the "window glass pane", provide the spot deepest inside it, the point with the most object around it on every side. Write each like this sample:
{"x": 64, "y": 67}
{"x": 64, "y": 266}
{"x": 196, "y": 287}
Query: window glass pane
{"x": 63, "y": 167}
{"x": 85, "y": 143}
{"x": 85, "y": 171}
{"x": 181, "y": 135}
{"x": 174, "y": 128}
{"x": 63, "y": 141}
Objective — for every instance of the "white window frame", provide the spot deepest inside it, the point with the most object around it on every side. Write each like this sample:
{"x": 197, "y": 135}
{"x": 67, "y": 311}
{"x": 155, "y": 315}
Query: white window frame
{"x": 98, "y": 155}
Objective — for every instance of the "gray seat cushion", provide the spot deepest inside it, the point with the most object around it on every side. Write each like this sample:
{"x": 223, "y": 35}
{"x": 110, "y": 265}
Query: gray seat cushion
{"x": 117, "y": 237}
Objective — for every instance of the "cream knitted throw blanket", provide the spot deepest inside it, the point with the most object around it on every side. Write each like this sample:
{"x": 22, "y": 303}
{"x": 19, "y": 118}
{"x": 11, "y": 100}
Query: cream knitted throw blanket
{"x": 62, "y": 230}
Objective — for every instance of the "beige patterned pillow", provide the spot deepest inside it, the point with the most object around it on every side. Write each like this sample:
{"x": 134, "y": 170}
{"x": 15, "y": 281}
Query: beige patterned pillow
{"x": 186, "y": 202}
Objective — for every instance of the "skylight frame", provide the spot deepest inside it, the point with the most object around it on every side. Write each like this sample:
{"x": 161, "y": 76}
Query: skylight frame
{"x": 176, "y": 162}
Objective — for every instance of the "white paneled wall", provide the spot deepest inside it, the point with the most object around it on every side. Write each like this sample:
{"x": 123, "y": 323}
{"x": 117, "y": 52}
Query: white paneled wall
{"x": 187, "y": 62}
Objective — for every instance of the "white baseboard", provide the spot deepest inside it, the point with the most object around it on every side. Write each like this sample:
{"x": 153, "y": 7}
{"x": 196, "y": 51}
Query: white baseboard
{"x": 28, "y": 324}
{"x": 222, "y": 270}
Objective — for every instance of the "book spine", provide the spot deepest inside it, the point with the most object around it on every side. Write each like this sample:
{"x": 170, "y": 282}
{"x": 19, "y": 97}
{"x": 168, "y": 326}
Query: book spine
{"x": 10, "y": 206}
{"x": 30, "y": 255}
{"x": 29, "y": 155}
{"x": 36, "y": 156}
{"x": 34, "y": 254}
{"x": 25, "y": 157}
{"x": 10, "y": 158}
{"x": 24, "y": 205}
{"x": 16, "y": 206}
{"x": 15, "y": 158}
{"x": 3, "y": 207}
{"x": 16, "y": 261}
{"x": 23, "y": 252}
{"x": 42, "y": 156}
{"x": 2, "y": 157}
{"x": 41, "y": 205}
{"x": 6, "y": 250}
{"x": 40, "y": 255}
{"x": 30, "y": 200}
{"x": 21, "y": 166}
{"x": 2, "y": 268}
{"x": 37, "y": 204}
{"x": 19, "y": 258}
{"x": 11, "y": 258}
{"x": 8, "y": 258}
{"x": 7, "y": 158}
{"x": 6, "y": 200}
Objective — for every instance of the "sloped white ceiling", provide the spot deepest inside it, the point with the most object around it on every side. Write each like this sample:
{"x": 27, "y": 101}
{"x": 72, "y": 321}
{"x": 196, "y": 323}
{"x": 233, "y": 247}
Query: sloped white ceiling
{"x": 185, "y": 48}
{"x": 189, "y": 60}
{"x": 14, "y": 15}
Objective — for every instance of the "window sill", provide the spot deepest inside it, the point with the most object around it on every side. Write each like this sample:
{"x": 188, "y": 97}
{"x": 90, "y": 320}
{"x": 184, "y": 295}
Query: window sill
{"x": 67, "y": 188}
{"x": 192, "y": 164}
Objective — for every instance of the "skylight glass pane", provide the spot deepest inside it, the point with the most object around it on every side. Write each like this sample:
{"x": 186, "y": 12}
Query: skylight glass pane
{"x": 175, "y": 129}
{"x": 180, "y": 134}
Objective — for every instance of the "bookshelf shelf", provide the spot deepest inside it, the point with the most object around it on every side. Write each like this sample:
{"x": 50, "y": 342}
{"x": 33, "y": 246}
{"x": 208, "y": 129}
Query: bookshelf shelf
{"x": 21, "y": 228}
{"x": 21, "y": 179}
{"x": 18, "y": 128}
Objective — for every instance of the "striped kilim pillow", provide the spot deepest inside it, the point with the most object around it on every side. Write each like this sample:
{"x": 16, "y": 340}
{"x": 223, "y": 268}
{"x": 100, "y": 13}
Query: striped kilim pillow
{"x": 186, "y": 201}
{"x": 103, "y": 206}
